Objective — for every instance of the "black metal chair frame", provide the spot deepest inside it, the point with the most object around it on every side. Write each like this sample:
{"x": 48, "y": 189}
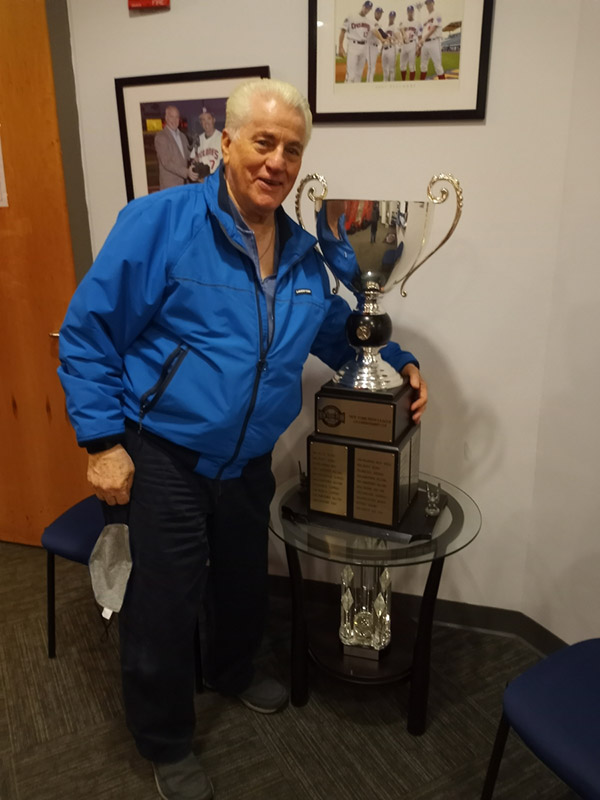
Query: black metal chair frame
{"x": 495, "y": 758}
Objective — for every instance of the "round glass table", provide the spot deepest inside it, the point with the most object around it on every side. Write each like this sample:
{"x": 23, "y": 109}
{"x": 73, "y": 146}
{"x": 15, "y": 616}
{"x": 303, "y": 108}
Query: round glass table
{"x": 408, "y": 656}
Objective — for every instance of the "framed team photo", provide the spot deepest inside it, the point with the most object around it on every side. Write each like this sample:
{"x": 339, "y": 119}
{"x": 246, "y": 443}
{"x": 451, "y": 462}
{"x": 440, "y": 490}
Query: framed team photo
{"x": 171, "y": 125}
{"x": 379, "y": 60}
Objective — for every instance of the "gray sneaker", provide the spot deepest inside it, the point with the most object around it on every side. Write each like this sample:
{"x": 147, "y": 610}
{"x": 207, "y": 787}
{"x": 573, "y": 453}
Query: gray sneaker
{"x": 182, "y": 780}
{"x": 265, "y": 695}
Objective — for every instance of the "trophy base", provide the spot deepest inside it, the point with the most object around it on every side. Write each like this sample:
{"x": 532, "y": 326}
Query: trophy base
{"x": 382, "y": 416}
{"x": 363, "y": 481}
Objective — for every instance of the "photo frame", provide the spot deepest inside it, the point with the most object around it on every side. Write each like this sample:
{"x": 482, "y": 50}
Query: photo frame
{"x": 342, "y": 89}
{"x": 142, "y": 102}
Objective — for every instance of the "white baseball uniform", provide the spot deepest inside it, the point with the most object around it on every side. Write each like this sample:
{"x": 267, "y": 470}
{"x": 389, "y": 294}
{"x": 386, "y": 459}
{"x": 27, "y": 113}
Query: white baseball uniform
{"x": 432, "y": 42}
{"x": 373, "y": 48}
{"x": 390, "y": 51}
{"x": 357, "y": 30}
{"x": 408, "y": 52}
{"x": 208, "y": 150}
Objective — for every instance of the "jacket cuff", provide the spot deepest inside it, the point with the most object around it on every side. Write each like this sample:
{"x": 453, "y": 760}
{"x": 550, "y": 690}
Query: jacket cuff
{"x": 98, "y": 445}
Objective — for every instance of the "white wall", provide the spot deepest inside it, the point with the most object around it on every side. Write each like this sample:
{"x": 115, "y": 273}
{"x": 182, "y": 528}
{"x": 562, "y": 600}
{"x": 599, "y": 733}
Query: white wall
{"x": 502, "y": 318}
{"x": 564, "y": 545}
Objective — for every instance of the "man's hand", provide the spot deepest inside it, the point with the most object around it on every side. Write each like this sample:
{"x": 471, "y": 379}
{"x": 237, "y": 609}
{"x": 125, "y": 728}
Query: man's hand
{"x": 411, "y": 372}
{"x": 193, "y": 176}
{"x": 111, "y": 475}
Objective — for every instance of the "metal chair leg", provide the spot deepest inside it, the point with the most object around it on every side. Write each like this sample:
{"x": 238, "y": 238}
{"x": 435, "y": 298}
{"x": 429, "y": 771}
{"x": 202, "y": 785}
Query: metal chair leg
{"x": 495, "y": 759}
{"x": 51, "y": 608}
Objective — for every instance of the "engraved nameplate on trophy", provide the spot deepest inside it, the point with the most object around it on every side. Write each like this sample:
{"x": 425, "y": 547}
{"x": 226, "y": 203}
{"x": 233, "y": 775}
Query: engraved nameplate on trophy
{"x": 362, "y": 481}
{"x": 360, "y": 414}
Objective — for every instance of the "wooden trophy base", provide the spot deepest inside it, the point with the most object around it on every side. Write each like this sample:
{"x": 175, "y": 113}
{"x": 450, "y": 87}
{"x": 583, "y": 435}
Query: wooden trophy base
{"x": 363, "y": 458}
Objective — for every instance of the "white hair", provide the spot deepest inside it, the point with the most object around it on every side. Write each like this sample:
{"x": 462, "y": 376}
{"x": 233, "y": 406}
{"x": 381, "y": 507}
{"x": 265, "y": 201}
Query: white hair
{"x": 239, "y": 104}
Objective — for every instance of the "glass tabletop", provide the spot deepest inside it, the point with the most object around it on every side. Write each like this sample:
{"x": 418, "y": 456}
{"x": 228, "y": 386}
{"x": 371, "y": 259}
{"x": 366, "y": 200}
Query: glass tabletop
{"x": 457, "y": 525}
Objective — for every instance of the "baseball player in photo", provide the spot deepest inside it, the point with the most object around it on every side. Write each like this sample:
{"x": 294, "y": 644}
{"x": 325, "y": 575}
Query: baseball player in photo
{"x": 410, "y": 38}
{"x": 356, "y": 29}
{"x": 389, "y": 50}
{"x": 206, "y": 154}
{"x": 375, "y": 40}
{"x": 431, "y": 41}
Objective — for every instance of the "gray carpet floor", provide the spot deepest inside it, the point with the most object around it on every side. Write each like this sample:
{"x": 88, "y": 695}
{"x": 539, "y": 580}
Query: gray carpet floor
{"x": 62, "y": 732}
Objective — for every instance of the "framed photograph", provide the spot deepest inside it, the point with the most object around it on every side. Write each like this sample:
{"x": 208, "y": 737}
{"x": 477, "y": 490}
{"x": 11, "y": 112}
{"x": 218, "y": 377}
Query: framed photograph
{"x": 171, "y": 124}
{"x": 398, "y": 61}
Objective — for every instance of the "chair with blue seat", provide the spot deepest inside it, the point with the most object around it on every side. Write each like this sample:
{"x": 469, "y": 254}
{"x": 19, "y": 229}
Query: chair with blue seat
{"x": 554, "y": 707}
{"x": 71, "y": 536}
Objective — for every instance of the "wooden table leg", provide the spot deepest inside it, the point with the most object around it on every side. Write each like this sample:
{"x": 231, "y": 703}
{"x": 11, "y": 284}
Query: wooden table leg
{"x": 299, "y": 654}
{"x": 419, "y": 680}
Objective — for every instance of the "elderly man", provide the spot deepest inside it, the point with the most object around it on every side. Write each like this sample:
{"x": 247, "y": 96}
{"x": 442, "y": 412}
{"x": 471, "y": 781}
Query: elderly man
{"x": 172, "y": 149}
{"x": 181, "y": 358}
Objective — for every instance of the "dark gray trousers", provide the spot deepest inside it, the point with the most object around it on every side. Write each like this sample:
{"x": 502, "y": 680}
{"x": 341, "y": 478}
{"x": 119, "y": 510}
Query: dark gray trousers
{"x": 199, "y": 552}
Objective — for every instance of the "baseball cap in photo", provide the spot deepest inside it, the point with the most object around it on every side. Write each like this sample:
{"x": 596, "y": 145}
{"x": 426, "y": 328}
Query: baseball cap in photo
{"x": 368, "y": 4}
{"x": 392, "y": 13}
{"x": 410, "y": 8}
{"x": 379, "y": 9}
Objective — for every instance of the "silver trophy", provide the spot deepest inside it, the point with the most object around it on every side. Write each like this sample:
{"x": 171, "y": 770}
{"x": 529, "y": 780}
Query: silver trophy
{"x": 363, "y": 456}
{"x": 372, "y": 246}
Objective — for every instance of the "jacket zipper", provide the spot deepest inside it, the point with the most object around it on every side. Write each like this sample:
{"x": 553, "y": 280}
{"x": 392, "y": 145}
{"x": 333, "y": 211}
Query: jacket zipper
{"x": 261, "y": 364}
{"x": 150, "y": 398}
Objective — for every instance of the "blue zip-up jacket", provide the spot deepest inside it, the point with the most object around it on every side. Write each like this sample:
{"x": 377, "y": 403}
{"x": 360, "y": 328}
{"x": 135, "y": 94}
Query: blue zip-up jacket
{"x": 169, "y": 329}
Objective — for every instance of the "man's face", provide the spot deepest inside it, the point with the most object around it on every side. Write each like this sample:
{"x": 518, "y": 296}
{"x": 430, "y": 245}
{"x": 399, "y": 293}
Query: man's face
{"x": 365, "y": 10}
{"x": 263, "y": 160}
{"x": 411, "y": 15}
{"x": 208, "y": 123}
{"x": 378, "y": 14}
{"x": 172, "y": 118}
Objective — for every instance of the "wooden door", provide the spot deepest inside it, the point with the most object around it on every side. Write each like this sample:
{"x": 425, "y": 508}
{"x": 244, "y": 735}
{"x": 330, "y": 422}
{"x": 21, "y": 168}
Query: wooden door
{"x": 42, "y": 471}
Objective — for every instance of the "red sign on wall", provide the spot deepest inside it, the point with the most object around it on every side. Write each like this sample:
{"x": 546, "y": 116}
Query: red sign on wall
{"x": 149, "y": 3}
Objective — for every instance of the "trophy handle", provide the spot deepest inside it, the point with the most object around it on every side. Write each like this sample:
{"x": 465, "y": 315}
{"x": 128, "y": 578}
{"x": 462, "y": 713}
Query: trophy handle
{"x": 311, "y": 193}
{"x": 316, "y": 199}
{"x": 439, "y": 199}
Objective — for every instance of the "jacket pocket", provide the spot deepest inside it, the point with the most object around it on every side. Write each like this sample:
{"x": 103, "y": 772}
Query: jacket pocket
{"x": 151, "y": 397}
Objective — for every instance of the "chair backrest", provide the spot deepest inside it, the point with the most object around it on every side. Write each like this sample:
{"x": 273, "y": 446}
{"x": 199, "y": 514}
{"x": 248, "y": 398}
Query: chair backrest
{"x": 74, "y": 534}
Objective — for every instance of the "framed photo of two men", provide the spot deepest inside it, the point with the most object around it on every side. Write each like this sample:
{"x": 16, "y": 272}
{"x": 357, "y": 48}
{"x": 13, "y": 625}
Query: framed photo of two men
{"x": 171, "y": 125}
{"x": 378, "y": 60}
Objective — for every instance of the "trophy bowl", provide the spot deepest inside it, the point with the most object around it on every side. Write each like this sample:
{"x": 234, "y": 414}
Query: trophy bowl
{"x": 371, "y": 246}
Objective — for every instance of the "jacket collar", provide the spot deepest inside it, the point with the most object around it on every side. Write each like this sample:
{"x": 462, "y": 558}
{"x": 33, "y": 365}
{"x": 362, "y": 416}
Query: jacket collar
{"x": 294, "y": 241}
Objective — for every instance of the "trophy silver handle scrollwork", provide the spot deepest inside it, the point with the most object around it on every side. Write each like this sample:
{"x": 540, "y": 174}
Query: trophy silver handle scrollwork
{"x": 437, "y": 199}
{"x": 317, "y": 199}
{"x": 311, "y": 193}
